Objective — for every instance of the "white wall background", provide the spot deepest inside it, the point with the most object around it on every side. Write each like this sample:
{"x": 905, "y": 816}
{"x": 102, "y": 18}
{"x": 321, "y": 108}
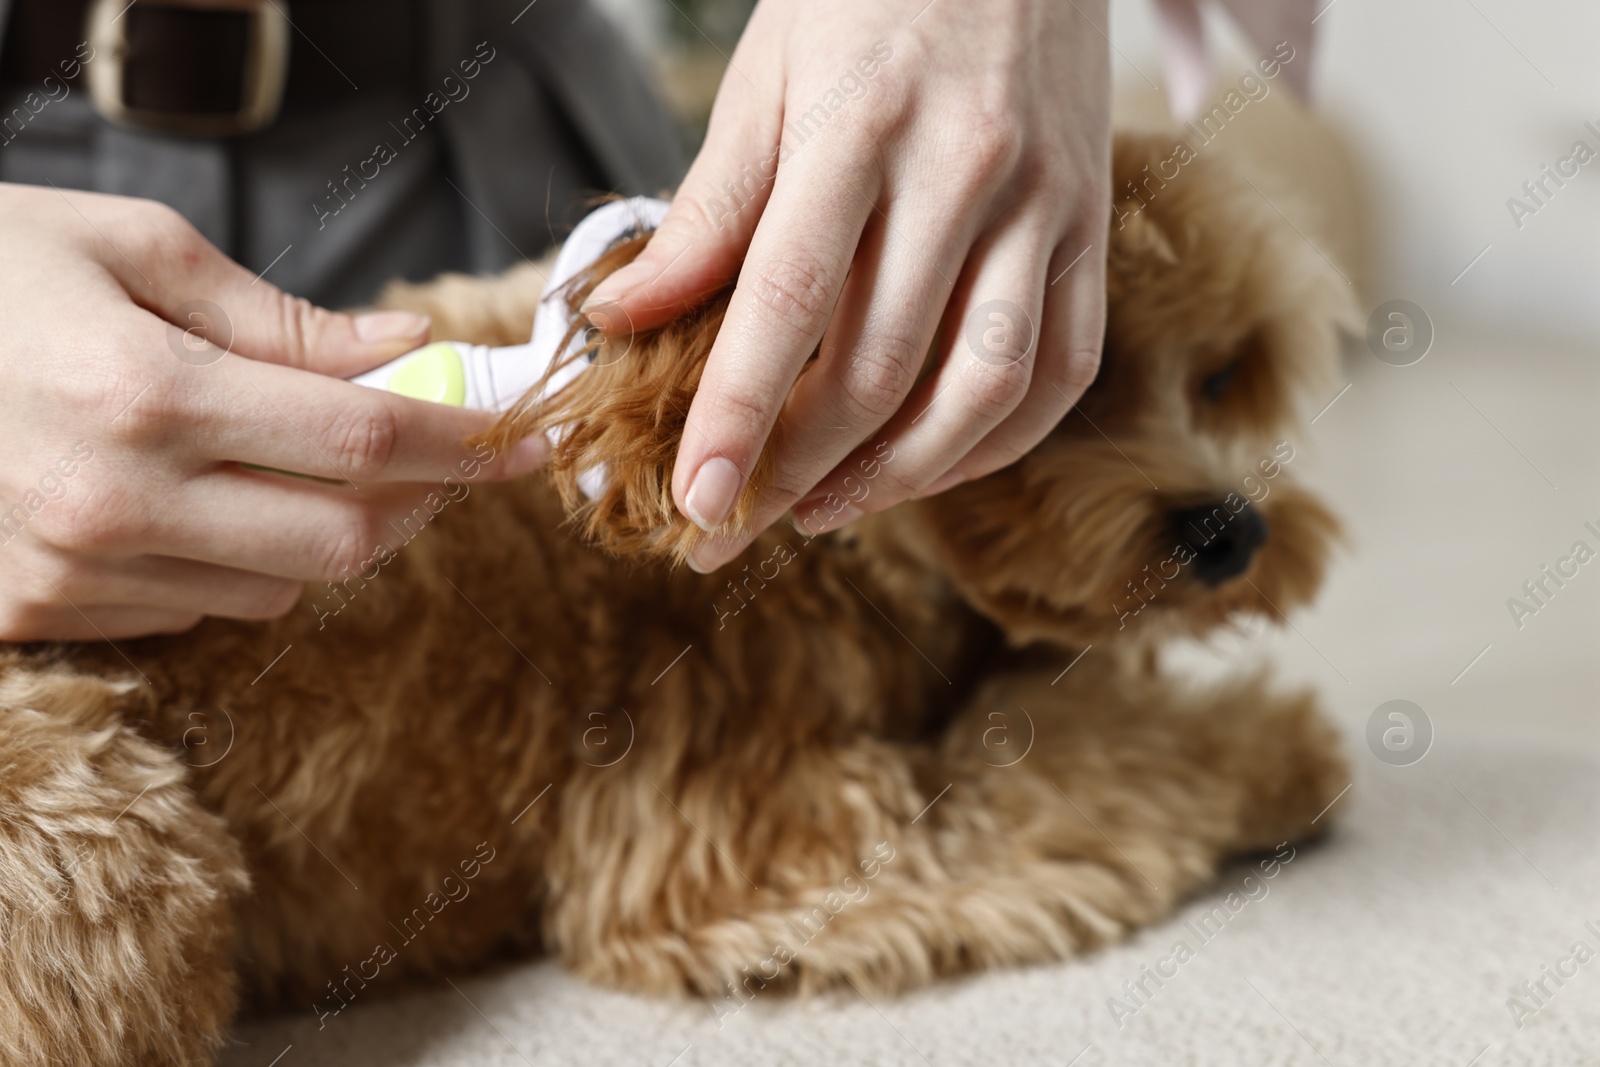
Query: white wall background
{"x": 1448, "y": 110}
{"x": 1447, "y": 107}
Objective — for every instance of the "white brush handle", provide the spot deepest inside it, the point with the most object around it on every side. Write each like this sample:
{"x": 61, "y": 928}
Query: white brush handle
{"x": 493, "y": 379}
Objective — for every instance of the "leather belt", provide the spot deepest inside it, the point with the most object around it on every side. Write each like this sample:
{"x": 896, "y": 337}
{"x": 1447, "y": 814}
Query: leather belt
{"x": 212, "y": 68}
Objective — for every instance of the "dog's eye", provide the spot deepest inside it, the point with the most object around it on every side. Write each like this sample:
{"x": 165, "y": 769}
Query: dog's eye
{"x": 1213, "y": 385}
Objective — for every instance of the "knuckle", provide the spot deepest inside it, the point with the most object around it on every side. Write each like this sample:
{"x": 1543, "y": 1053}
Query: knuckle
{"x": 993, "y": 392}
{"x": 158, "y": 215}
{"x": 892, "y": 486}
{"x": 796, "y": 287}
{"x": 992, "y": 144}
{"x": 789, "y": 485}
{"x": 1082, "y": 367}
{"x": 738, "y": 415}
{"x": 878, "y": 377}
{"x": 351, "y": 541}
{"x": 158, "y": 228}
{"x": 689, "y": 219}
{"x": 890, "y": 113}
{"x": 101, "y": 516}
{"x": 364, "y": 443}
{"x": 995, "y": 455}
{"x": 302, "y": 325}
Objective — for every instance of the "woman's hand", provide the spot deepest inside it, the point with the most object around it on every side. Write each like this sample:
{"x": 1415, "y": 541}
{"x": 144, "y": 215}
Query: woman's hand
{"x": 885, "y": 177}
{"x": 123, "y": 506}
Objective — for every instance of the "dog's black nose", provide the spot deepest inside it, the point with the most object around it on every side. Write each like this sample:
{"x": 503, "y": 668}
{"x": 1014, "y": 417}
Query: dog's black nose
{"x": 1223, "y": 541}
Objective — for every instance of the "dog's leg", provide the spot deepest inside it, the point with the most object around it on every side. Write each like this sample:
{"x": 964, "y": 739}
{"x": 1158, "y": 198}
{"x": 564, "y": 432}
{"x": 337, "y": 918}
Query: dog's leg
{"x": 884, "y": 866}
{"x": 1181, "y": 779}
{"x": 116, "y": 929}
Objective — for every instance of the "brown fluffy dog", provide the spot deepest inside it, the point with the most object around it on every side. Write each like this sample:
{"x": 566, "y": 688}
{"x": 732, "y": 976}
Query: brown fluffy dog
{"x": 855, "y": 758}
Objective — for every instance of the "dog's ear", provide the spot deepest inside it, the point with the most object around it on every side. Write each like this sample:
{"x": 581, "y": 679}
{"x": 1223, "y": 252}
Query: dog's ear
{"x": 615, "y": 428}
{"x": 1205, "y": 276}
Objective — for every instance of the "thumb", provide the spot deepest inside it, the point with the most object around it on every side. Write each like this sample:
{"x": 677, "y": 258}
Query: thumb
{"x": 209, "y": 297}
{"x": 278, "y": 328}
{"x": 701, "y": 243}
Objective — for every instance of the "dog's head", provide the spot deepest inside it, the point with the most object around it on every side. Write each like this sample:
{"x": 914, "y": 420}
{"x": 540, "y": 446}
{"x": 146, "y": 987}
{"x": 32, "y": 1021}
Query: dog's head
{"x": 1164, "y": 502}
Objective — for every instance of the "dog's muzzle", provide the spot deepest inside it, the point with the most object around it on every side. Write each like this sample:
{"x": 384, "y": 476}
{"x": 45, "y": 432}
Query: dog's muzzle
{"x": 1224, "y": 542}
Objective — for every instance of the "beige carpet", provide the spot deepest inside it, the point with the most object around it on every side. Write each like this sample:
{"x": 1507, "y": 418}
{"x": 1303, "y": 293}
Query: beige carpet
{"x": 1449, "y": 883}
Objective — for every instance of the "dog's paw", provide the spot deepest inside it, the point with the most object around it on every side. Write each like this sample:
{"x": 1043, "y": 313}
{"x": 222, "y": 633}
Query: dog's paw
{"x": 615, "y": 428}
{"x": 1291, "y": 767}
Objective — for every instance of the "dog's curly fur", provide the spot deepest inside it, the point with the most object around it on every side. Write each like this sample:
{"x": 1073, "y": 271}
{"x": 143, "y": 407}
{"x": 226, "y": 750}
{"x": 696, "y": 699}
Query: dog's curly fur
{"x": 784, "y": 775}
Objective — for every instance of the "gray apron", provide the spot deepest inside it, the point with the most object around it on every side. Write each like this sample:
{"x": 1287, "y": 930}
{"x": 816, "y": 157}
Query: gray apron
{"x": 558, "y": 116}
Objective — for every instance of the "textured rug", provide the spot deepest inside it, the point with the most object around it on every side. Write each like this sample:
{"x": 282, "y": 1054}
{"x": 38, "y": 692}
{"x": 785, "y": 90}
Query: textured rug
{"x": 1405, "y": 938}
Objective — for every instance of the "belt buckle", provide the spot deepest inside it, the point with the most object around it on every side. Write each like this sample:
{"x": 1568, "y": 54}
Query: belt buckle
{"x": 262, "y": 77}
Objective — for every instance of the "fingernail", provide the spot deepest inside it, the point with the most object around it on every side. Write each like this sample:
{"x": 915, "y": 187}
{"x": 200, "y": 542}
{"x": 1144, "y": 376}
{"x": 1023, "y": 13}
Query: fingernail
{"x": 949, "y": 480}
{"x": 713, "y": 493}
{"x": 527, "y": 455}
{"x": 375, "y": 327}
{"x": 619, "y": 282}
